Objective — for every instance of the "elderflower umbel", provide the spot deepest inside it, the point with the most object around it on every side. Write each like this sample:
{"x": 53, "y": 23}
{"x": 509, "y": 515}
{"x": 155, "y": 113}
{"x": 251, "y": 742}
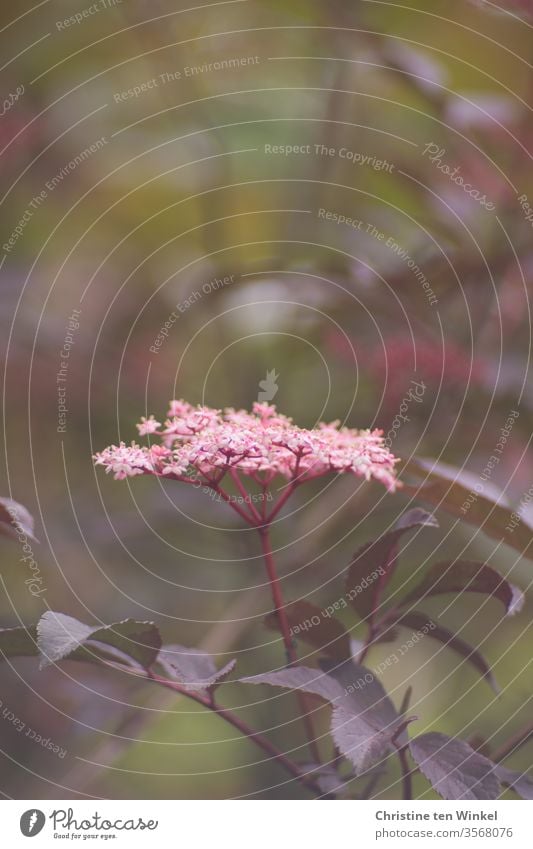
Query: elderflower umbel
{"x": 261, "y": 445}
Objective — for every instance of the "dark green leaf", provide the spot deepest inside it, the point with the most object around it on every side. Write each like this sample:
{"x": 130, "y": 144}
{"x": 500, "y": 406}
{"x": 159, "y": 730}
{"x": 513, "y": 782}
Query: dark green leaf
{"x": 467, "y": 576}
{"x": 364, "y": 720}
{"x": 374, "y": 563}
{"x": 453, "y": 768}
{"x": 311, "y": 624}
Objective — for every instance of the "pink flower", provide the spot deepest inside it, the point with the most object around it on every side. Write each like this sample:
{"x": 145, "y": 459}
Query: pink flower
{"x": 125, "y": 461}
{"x": 262, "y": 445}
{"x": 148, "y": 426}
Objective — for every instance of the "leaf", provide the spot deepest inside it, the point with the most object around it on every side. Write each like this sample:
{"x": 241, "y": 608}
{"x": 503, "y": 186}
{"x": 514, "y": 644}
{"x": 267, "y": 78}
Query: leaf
{"x": 467, "y": 576}
{"x": 453, "y": 768}
{"x": 374, "y": 563}
{"x": 418, "y": 620}
{"x": 15, "y": 520}
{"x": 452, "y": 490}
{"x": 60, "y": 636}
{"x": 520, "y": 782}
{"x": 193, "y": 668}
{"x": 18, "y": 642}
{"x": 364, "y": 720}
{"x": 140, "y": 641}
{"x": 327, "y": 634}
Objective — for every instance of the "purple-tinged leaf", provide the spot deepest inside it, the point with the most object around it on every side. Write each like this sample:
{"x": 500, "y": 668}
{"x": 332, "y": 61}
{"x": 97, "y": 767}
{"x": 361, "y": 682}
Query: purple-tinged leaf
{"x": 373, "y": 565}
{"x": 312, "y": 625}
{"x": 419, "y": 620}
{"x": 467, "y": 576}
{"x": 453, "y": 768}
{"x": 193, "y": 668}
{"x": 452, "y": 490}
{"x": 364, "y": 720}
{"x": 520, "y": 782}
{"x": 16, "y": 521}
{"x": 140, "y": 641}
{"x": 60, "y": 637}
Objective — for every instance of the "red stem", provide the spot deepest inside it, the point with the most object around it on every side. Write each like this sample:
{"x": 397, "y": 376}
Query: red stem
{"x": 246, "y": 495}
{"x": 262, "y": 524}
{"x": 406, "y": 774}
{"x": 260, "y": 741}
{"x": 401, "y": 748}
{"x": 249, "y": 519}
{"x": 282, "y": 499}
{"x": 214, "y": 485}
{"x": 277, "y": 597}
{"x": 292, "y": 657}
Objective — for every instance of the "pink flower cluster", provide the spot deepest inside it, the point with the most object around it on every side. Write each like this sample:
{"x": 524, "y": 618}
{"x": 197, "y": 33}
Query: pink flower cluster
{"x": 261, "y": 444}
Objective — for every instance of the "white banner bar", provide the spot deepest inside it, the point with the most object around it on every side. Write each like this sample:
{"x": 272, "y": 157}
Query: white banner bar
{"x": 264, "y": 824}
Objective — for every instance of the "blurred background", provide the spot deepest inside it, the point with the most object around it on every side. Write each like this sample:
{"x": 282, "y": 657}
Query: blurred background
{"x": 193, "y": 198}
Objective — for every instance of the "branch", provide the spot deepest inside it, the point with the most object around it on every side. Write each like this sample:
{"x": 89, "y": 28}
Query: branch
{"x": 230, "y": 717}
{"x": 292, "y": 657}
{"x": 514, "y": 743}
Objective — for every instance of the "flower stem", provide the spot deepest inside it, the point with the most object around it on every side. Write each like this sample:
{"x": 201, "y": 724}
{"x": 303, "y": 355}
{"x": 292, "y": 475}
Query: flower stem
{"x": 401, "y": 749}
{"x": 406, "y": 773}
{"x": 245, "y": 495}
{"x": 283, "y": 499}
{"x": 277, "y": 597}
{"x": 292, "y": 658}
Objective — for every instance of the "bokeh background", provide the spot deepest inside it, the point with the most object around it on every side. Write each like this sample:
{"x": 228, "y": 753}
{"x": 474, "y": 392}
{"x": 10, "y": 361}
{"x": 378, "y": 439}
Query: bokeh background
{"x": 185, "y": 189}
